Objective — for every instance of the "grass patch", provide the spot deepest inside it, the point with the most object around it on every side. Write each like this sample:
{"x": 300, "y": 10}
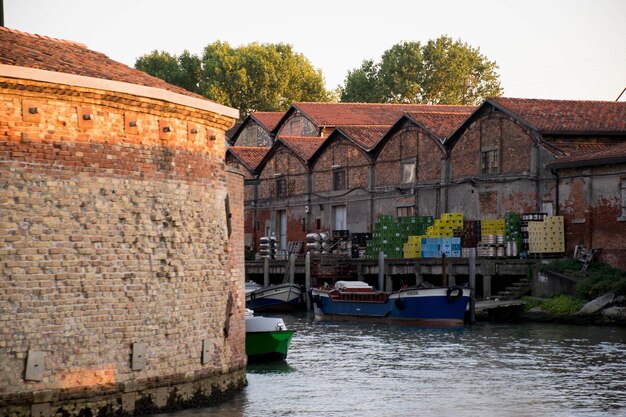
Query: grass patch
{"x": 560, "y": 304}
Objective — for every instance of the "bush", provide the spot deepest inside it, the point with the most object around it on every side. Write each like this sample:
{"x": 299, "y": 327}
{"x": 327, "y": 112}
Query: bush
{"x": 599, "y": 279}
{"x": 563, "y": 304}
{"x": 560, "y": 304}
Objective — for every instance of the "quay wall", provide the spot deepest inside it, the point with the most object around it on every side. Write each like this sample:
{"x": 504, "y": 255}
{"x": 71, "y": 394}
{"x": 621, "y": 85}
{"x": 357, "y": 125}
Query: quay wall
{"x": 120, "y": 254}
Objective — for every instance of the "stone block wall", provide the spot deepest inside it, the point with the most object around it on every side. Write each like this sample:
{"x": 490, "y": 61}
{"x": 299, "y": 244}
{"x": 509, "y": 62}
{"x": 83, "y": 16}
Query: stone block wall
{"x": 114, "y": 239}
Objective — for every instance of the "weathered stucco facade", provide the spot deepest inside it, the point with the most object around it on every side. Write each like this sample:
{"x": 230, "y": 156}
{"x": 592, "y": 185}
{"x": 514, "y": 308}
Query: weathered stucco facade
{"x": 120, "y": 247}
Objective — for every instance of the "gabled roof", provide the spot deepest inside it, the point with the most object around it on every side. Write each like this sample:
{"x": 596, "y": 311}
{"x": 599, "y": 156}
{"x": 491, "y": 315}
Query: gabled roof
{"x": 303, "y": 147}
{"x": 360, "y": 114}
{"x": 555, "y": 117}
{"x": 366, "y": 137}
{"x": 613, "y": 154}
{"x": 267, "y": 120}
{"x": 566, "y": 116}
{"x": 249, "y": 156}
{"x": 439, "y": 124}
{"x": 38, "y": 53}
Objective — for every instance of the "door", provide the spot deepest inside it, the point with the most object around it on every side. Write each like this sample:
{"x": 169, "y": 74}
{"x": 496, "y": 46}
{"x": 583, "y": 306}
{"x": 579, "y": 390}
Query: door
{"x": 340, "y": 218}
{"x": 281, "y": 226}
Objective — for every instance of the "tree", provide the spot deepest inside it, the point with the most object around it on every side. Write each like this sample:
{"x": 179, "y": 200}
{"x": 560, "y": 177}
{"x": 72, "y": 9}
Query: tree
{"x": 253, "y": 77}
{"x": 442, "y": 71}
{"x": 183, "y": 70}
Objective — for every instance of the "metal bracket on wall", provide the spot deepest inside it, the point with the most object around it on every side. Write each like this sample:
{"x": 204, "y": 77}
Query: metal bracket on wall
{"x": 35, "y": 365}
{"x": 138, "y": 360}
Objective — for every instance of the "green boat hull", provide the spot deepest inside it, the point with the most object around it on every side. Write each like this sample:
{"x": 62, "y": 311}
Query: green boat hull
{"x": 267, "y": 346}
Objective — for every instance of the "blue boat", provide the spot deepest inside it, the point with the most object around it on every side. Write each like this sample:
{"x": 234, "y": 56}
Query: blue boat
{"x": 421, "y": 306}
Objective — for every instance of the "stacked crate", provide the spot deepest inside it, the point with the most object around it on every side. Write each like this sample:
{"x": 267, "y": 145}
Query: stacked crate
{"x": 471, "y": 234}
{"x": 389, "y": 237}
{"x": 416, "y": 227}
{"x": 446, "y": 225}
{"x": 435, "y": 247}
{"x": 413, "y": 247}
{"x": 547, "y": 236}
{"x": 513, "y": 228}
{"x": 493, "y": 227}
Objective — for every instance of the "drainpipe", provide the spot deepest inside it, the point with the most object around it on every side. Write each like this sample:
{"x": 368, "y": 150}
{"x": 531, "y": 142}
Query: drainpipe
{"x": 556, "y": 200}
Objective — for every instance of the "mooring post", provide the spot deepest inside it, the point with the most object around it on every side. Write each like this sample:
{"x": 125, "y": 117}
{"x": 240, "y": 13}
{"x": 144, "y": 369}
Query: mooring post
{"x": 381, "y": 271}
{"x": 472, "y": 283}
{"x": 292, "y": 268}
{"x": 307, "y": 279}
{"x": 266, "y": 272}
{"x": 444, "y": 274}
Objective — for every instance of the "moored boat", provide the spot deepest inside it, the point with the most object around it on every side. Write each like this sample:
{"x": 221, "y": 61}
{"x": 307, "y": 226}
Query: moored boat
{"x": 422, "y": 306}
{"x": 267, "y": 338}
{"x": 281, "y": 297}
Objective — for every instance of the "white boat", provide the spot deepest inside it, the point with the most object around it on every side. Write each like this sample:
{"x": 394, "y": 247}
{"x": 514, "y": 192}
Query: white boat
{"x": 267, "y": 338}
{"x": 281, "y": 297}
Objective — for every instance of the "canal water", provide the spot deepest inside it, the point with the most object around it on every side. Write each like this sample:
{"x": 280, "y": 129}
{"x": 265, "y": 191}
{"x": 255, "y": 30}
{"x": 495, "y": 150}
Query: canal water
{"x": 487, "y": 369}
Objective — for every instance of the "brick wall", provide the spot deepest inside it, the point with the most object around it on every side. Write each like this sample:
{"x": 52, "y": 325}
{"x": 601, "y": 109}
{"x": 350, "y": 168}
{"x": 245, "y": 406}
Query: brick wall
{"x": 346, "y": 155}
{"x": 512, "y": 188}
{"x": 254, "y": 135}
{"x": 591, "y": 207}
{"x": 113, "y": 234}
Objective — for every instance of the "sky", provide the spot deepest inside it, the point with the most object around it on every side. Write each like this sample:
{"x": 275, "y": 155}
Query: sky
{"x": 552, "y": 49}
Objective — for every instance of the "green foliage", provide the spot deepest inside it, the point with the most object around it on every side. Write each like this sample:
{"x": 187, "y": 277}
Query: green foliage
{"x": 253, "y": 77}
{"x": 442, "y": 71}
{"x": 183, "y": 70}
{"x": 599, "y": 279}
{"x": 560, "y": 304}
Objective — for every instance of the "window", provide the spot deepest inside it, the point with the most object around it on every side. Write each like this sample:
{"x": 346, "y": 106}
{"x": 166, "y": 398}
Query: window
{"x": 408, "y": 171}
{"x": 490, "y": 162}
{"x": 339, "y": 179}
{"x": 405, "y": 211}
{"x": 281, "y": 187}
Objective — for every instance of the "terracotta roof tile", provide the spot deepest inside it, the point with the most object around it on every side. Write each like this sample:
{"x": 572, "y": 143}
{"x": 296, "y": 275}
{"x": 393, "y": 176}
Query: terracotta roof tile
{"x": 442, "y": 124}
{"x": 267, "y": 119}
{"x": 41, "y": 52}
{"x": 608, "y": 154}
{"x": 364, "y": 136}
{"x": 304, "y": 146}
{"x": 251, "y": 156}
{"x": 367, "y": 114}
{"x": 567, "y": 116}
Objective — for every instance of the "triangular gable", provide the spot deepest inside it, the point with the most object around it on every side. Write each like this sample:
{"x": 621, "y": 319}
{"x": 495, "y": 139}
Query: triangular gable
{"x": 303, "y": 148}
{"x": 363, "y": 137}
{"x": 331, "y": 114}
{"x": 249, "y": 156}
{"x": 554, "y": 117}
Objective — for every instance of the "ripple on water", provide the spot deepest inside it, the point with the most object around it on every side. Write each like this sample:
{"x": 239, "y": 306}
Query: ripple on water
{"x": 348, "y": 369}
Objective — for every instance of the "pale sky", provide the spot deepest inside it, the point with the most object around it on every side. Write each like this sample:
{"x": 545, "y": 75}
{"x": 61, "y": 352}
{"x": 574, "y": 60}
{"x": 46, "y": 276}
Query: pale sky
{"x": 556, "y": 49}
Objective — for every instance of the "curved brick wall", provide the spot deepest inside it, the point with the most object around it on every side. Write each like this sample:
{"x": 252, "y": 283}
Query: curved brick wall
{"x": 115, "y": 233}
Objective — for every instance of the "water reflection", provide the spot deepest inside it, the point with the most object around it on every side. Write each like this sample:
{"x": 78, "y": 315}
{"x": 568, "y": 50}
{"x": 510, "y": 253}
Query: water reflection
{"x": 348, "y": 369}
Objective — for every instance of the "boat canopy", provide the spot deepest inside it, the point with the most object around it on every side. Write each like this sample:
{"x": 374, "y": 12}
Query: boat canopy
{"x": 343, "y": 285}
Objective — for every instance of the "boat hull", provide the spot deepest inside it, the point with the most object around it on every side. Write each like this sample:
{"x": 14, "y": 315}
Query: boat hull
{"x": 267, "y": 338}
{"x": 283, "y": 297}
{"x": 423, "y": 307}
{"x": 268, "y": 346}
